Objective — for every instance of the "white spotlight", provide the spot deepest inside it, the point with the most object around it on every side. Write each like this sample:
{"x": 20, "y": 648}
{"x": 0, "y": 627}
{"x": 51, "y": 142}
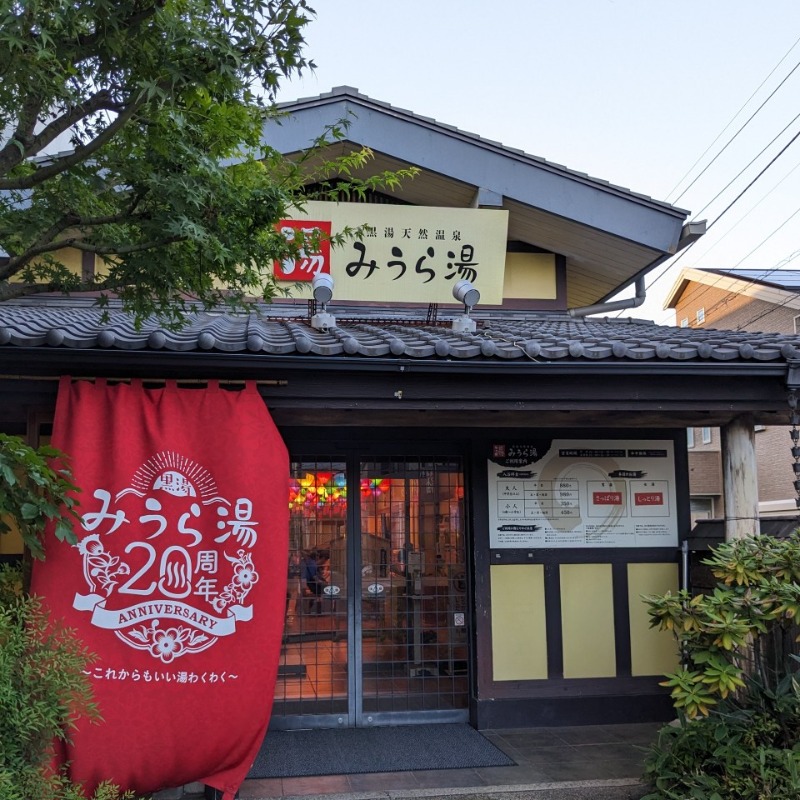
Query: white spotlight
{"x": 467, "y": 294}
{"x": 322, "y": 290}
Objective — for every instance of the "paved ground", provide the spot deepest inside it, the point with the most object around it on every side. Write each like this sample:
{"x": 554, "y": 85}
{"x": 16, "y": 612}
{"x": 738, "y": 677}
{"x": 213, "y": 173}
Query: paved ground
{"x": 562, "y": 790}
{"x": 599, "y": 762}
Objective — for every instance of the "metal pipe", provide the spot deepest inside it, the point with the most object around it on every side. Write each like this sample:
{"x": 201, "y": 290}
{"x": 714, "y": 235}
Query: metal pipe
{"x": 685, "y": 564}
{"x": 613, "y": 305}
{"x": 690, "y": 233}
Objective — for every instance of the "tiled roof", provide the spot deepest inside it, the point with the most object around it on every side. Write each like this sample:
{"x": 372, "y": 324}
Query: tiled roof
{"x": 276, "y": 331}
{"x": 788, "y": 279}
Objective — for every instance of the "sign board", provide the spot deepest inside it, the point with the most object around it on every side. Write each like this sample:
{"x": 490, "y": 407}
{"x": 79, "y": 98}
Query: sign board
{"x": 576, "y": 493}
{"x": 402, "y": 253}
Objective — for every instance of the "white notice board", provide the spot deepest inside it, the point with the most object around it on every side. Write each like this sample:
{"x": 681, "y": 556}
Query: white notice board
{"x": 577, "y": 493}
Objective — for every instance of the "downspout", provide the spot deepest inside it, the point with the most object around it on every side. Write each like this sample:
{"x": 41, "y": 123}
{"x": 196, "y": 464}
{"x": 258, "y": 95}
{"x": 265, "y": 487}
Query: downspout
{"x": 690, "y": 233}
{"x": 614, "y": 305}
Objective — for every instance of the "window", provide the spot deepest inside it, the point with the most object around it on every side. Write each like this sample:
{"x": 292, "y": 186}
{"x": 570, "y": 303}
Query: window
{"x": 685, "y": 322}
{"x": 706, "y": 435}
{"x": 701, "y": 508}
{"x": 701, "y": 316}
{"x": 690, "y": 437}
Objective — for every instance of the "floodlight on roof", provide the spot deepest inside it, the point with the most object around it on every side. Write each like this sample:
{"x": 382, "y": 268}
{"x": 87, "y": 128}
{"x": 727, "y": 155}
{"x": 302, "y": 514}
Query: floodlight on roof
{"x": 322, "y": 291}
{"x": 467, "y": 294}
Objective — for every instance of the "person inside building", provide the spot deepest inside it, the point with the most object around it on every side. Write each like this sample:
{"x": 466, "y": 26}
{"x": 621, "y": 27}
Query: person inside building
{"x": 312, "y": 580}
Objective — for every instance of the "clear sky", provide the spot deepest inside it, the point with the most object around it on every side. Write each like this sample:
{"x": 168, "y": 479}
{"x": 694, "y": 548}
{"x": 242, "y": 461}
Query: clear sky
{"x": 629, "y": 91}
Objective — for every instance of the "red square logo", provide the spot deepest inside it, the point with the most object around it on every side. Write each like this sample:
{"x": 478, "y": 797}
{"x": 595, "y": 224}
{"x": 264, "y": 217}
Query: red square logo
{"x": 313, "y": 238}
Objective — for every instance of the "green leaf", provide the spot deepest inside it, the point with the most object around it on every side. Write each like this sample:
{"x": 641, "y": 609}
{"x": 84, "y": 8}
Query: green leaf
{"x": 8, "y": 475}
{"x": 29, "y": 511}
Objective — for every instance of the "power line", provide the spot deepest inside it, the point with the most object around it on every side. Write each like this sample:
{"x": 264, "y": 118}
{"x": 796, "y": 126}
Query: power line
{"x": 725, "y": 211}
{"x": 752, "y": 209}
{"x": 708, "y": 287}
{"x": 749, "y": 282}
{"x": 771, "y": 308}
{"x": 752, "y": 182}
{"x": 748, "y": 165}
{"x": 747, "y": 122}
{"x": 741, "y": 194}
{"x": 780, "y": 264}
{"x": 767, "y": 238}
{"x": 729, "y": 206}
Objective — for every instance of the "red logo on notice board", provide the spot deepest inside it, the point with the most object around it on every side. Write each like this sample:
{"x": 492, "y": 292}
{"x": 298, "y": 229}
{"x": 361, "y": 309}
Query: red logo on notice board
{"x": 607, "y": 498}
{"x": 313, "y": 237}
{"x": 648, "y": 499}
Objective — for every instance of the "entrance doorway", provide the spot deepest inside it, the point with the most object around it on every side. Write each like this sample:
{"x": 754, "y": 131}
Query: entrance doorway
{"x": 377, "y": 621}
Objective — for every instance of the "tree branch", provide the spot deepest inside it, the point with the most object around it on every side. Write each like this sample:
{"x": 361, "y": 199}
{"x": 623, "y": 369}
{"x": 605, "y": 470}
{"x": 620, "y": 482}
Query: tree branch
{"x": 88, "y": 41}
{"x": 23, "y": 134}
{"x": 48, "y": 243}
{"x": 16, "y": 264}
{"x": 127, "y": 249}
{"x": 11, "y": 155}
{"x": 59, "y": 165}
{"x": 112, "y": 219}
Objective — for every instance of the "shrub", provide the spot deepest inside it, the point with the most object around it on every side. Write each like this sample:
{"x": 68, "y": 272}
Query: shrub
{"x": 35, "y": 489}
{"x": 725, "y": 756}
{"x": 43, "y": 688}
{"x": 737, "y": 693}
{"x": 43, "y": 691}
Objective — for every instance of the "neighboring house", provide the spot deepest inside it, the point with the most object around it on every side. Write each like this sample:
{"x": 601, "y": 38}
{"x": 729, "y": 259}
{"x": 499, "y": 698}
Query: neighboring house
{"x": 740, "y": 300}
{"x": 705, "y": 472}
{"x": 492, "y": 492}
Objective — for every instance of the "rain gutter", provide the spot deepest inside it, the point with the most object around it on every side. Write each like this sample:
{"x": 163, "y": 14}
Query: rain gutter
{"x": 19, "y": 361}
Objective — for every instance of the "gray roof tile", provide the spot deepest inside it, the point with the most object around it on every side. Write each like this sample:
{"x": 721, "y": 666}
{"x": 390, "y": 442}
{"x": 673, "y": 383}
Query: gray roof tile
{"x": 72, "y": 323}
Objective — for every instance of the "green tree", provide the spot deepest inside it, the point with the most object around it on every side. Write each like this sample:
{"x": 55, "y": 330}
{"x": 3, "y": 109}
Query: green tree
{"x": 35, "y": 486}
{"x": 162, "y": 103}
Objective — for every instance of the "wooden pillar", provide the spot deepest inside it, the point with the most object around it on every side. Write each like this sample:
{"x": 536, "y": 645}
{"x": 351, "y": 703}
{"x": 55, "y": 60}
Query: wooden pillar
{"x": 740, "y": 478}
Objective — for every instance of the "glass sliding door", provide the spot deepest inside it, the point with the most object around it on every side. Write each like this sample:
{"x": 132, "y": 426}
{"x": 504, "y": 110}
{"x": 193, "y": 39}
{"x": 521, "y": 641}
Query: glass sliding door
{"x": 413, "y": 575}
{"x": 376, "y": 628}
{"x": 313, "y": 671}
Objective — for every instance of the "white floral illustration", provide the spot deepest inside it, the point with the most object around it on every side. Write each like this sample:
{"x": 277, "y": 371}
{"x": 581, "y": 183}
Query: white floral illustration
{"x": 169, "y": 643}
{"x": 99, "y": 566}
{"x": 244, "y": 578}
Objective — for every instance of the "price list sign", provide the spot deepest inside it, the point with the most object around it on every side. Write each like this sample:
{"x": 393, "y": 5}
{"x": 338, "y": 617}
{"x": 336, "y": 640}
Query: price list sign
{"x": 565, "y": 493}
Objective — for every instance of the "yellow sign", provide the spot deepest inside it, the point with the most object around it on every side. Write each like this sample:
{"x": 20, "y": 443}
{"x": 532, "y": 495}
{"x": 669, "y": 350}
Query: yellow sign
{"x": 405, "y": 253}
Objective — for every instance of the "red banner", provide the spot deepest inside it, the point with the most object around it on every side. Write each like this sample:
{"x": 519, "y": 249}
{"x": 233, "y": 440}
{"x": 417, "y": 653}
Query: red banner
{"x": 178, "y": 579}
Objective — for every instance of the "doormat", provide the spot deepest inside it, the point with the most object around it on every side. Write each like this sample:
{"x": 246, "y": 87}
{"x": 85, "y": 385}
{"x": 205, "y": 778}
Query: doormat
{"x": 400, "y": 748}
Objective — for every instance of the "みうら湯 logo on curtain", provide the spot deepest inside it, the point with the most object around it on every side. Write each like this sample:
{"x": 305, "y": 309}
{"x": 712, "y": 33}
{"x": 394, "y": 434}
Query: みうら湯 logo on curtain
{"x": 176, "y": 580}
